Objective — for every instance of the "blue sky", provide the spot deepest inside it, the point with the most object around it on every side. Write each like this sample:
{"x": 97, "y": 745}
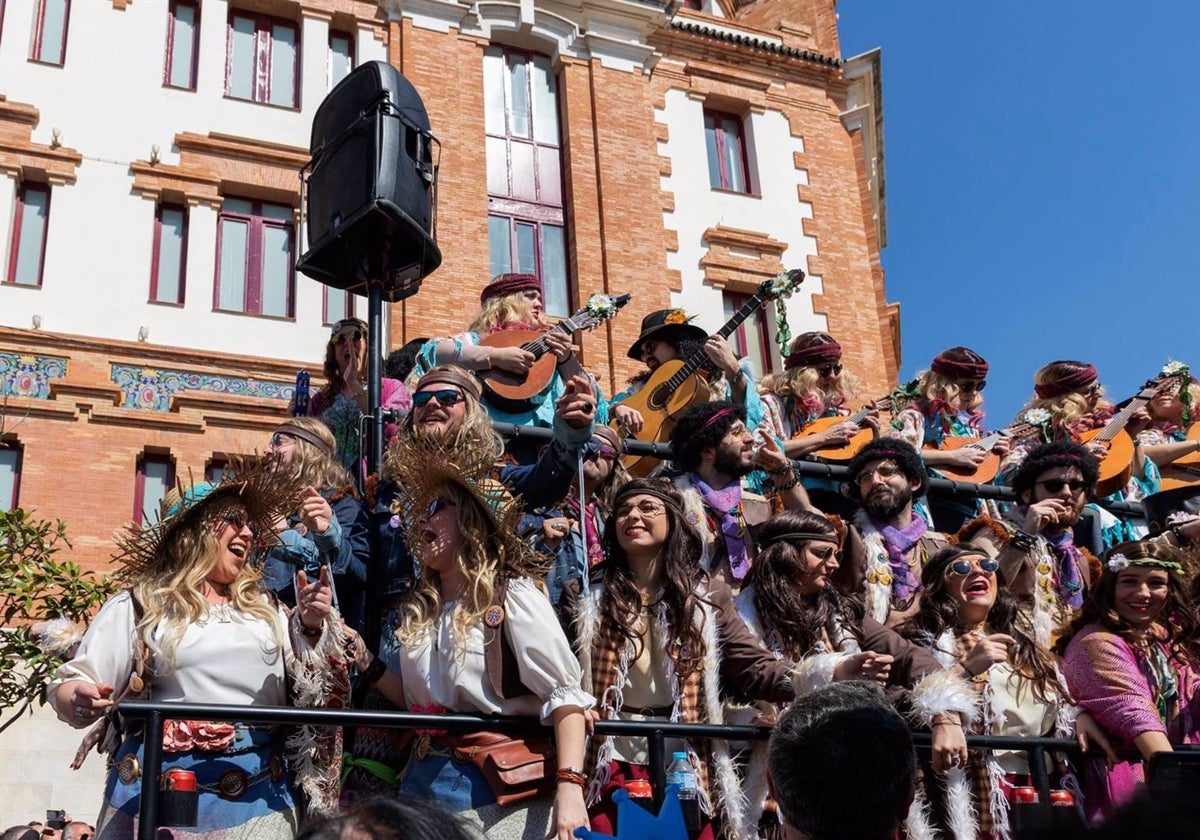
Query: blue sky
{"x": 1043, "y": 182}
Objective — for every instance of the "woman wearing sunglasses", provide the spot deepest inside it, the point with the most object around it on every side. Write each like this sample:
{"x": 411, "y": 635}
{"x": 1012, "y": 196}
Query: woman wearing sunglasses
{"x": 660, "y": 640}
{"x": 972, "y": 625}
{"x": 791, "y": 605}
{"x": 343, "y": 401}
{"x": 1132, "y": 659}
{"x": 329, "y": 528}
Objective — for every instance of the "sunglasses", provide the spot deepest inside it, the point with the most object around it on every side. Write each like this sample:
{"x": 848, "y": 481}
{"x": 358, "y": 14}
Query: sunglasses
{"x": 440, "y": 503}
{"x": 445, "y": 397}
{"x": 827, "y": 371}
{"x": 279, "y": 439}
{"x": 603, "y": 451}
{"x": 972, "y": 386}
{"x": 885, "y": 470}
{"x": 348, "y": 335}
{"x": 963, "y": 566}
{"x": 238, "y": 518}
{"x": 1055, "y": 485}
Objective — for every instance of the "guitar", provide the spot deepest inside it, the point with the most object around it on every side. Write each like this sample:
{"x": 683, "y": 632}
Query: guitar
{"x": 1182, "y": 471}
{"x": 847, "y": 451}
{"x": 1116, "y": 465}
{"x": 679, "y": 383}
{"x": 512, "y": 392}
{"x": 985, "y": 470}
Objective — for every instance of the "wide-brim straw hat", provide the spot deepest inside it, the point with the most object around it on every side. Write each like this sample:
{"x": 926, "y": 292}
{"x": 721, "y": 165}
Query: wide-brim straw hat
{"x": 421, "y": 466}
{"x": 267, "y": 490}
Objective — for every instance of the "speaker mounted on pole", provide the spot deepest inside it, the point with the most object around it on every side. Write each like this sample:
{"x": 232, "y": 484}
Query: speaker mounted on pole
{"x": 370, "y": 189}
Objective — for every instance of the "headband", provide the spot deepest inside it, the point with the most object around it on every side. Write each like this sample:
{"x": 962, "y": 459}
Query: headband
{"x": 1119, "y": 562}
{"x": 724, "y": 412}
{"x": 826, "y": 352}
{"x": 670, "y": 502}
{"x": 1074, "y": 381}
{"x": 507, "y": 284}
{"x": 452, "y": 375}
{"x": 305, "y": 435}
{"x": 956, "y": 369}
{"x": 797, "y": 535}
{"x": 357, "y": 323}
{"x": 610, "y": 435}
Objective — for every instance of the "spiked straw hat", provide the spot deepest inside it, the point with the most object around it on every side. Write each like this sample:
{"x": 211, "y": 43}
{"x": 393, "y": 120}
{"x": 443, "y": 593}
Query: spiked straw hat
{"x": 267, "y": 492}
{"x": 423, "y": 466}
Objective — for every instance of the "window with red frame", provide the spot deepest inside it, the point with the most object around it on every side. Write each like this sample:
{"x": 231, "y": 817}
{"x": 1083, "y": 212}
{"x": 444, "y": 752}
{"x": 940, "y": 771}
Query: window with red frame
{"x": 50, "y": 21}
{"x": 526, "y": 220}
{"x": 10, "y": 474}
{"x": 155, "y": 477}
{"x": 216, "y": 468}
{"x": 254, "y": 259}
{"x": 341, "y": 56}
{"x": 168, "y": 266}
{"x": 183, "y": 44}
{"x": 752, "y": 339}
{"x": 725, "y": 139}
{"x": 337, "y": 305}
{"x": 263, "y": 60}
{"x": 27, "y": 249}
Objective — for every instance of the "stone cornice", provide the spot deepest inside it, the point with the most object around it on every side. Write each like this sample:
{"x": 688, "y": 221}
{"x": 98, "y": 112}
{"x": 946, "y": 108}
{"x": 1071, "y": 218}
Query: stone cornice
{"x": 20, "y": 156}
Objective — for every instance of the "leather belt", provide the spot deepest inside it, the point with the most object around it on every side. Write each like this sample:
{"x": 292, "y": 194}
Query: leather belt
{"x": 649, "y": 711}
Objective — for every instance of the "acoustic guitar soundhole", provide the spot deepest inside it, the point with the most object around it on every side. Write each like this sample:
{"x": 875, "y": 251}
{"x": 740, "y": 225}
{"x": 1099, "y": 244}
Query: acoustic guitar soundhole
{"x": 659, "y": 398}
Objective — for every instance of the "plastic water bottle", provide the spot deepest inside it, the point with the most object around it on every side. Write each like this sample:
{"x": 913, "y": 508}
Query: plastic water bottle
{"x": 681, "y": 773}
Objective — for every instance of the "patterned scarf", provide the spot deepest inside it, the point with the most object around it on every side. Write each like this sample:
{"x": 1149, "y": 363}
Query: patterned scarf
{"x": 727, "y": 505}
{"x": 591, "y": 528}
{"x": 1070, "y": 583}
{"x": 897, "y": 541}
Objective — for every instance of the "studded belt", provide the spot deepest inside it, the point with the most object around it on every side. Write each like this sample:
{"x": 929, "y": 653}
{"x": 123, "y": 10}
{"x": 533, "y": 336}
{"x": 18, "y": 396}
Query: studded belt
{"x": 230, "y": 785}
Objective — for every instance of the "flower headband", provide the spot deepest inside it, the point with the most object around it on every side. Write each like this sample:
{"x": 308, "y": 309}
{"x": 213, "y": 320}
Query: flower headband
{"x": 1119, "y": 562}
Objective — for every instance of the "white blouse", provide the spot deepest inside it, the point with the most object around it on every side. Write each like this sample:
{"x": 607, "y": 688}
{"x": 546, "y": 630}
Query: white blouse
{"x": 443, "y": 671}
{"x": 227, "y": 658}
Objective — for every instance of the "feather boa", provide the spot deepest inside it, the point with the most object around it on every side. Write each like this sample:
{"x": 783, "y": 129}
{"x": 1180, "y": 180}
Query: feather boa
{"x": 879, "y": 573}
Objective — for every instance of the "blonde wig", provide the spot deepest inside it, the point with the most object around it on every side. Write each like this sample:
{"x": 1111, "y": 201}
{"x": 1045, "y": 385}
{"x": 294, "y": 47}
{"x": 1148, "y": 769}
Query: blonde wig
{"x": 1070, "y": 413}
{"x": 501, "y": 312}
{"x": 311, "y": 466}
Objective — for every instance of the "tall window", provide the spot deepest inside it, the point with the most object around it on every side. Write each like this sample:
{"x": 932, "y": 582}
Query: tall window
{"x": 216, "y": 468}
{"x": 341, "y": 56}
{"x": 155, "y": 476}
{"x": 262, "y": 63}
{"x": 50, "y": 19}
{"x": 183, "y": 41}
{"x": 526, "y": 230}
{"x": 727, "y": 167}
{"x": 168, "y": 264}
{"x": 254, "y": 258}
{"x": 10, "y": 474}
{"x": 751, "y": 340}
{"x": 338, "y": 305}
{"x": 27, "y": 251}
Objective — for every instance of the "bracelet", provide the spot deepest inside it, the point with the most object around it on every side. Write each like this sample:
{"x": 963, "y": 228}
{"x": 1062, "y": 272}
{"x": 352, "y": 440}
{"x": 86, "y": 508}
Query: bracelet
{"x": 310, "y": 632}
{"x": 1023, "y": 540}
{"x": 571, "y": 776}
{"x": 787, "y": 485}
{"x": 945, "y": 723}
{"x": 374, "y": 671}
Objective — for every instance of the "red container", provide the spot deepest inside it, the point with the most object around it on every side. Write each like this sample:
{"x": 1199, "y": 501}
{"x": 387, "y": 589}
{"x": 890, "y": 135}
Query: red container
{"x": 1062, "y": 797}
{"x": 1025, "y": 795}
{"x": 178, "y": 779}
{"x": 641, "y": 792}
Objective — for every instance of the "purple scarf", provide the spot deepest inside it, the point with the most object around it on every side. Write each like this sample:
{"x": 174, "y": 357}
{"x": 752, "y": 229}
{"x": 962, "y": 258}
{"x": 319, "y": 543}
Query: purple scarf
{"x": 727, "y": 504}
{"x": 1070, "y": 584}
{"x": 591, "y": 527}
{"x": 897, "y": 541}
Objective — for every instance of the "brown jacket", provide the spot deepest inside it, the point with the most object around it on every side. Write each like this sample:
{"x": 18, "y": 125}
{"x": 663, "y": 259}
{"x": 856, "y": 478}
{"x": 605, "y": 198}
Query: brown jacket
{"x": 851, "y": 576}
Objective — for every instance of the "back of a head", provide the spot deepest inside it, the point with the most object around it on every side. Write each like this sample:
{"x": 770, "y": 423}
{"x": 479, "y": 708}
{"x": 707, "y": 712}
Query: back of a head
{"x": 842, "y": 764}
{"x": 19, "y": 832}
{"x": 390, "y": 818}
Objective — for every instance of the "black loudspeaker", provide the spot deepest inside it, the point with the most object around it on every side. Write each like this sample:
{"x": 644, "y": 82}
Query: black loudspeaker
{"x": 372, "y": 186}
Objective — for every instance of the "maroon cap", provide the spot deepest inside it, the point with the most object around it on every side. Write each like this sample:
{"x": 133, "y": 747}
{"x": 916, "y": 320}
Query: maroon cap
{"x": 824, "y": 353}
{"x": 507, "y": 284}
{"x": 957, "y": 368}
{"x": 1077, "y": 380}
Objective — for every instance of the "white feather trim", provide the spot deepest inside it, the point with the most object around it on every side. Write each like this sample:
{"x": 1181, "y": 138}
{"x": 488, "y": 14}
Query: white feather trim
{"x": 57, "y": 637}
{"x": 960, "y": 811}
{"x": 816, "y": 671}
{"x": 312, "y": 677}
{"x": 943, "y": 692}
{"x": 693, "y": 512}
{"x": 878, "y": 582}
{"x": 917, "y": 825}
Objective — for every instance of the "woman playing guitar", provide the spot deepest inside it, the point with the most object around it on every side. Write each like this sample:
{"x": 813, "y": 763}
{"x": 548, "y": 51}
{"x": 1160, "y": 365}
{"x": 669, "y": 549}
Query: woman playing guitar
{"x": 1169, "y": 439}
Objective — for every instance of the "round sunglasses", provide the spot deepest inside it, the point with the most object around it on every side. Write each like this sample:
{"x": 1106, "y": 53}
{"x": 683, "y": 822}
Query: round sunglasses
{"x": 962, "y": 567}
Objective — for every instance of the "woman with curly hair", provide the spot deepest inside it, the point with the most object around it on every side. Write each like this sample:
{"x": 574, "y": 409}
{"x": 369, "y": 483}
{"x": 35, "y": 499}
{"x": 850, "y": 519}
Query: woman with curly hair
{"x": 660, "y": 640}
{"x": 972, "y": 624}
{"x": 477, "y": 634}
{"x": 792, "y": 606}
{"x": 194, "y": 626}
{"x": 329, "y": 528}
{"x": 1131, "y": 659}
{"x": 341, "y": 404}
{"x": 1173, "y": 410}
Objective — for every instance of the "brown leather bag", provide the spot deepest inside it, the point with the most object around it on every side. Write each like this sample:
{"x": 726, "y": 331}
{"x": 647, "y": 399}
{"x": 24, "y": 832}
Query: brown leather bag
{"x": 514, "y": 768}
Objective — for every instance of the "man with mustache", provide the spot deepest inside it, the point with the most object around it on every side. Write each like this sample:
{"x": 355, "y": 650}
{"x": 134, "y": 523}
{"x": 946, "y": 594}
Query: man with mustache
{"x": 887, "y": 541}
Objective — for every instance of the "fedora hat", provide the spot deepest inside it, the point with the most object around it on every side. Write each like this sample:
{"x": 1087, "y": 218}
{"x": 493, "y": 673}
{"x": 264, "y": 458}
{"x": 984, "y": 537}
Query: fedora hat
{"x": 664, "y": 323}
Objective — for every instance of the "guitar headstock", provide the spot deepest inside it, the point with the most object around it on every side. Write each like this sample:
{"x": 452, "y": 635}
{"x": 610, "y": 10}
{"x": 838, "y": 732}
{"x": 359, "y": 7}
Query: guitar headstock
{"x": 598, "y": 309}
{"x": 781, "y": 285}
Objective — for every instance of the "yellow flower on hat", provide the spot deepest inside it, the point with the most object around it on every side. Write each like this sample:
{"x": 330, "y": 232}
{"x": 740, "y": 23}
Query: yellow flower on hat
{"x": 676, "y": 316}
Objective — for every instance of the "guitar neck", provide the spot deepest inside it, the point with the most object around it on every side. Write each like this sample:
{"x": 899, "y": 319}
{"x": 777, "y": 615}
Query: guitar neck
{"x": 700, "y": 357}
{"x": 538, "y": 347}
{"x": 988, "y": 443}
{"x": 1114, "y": 426}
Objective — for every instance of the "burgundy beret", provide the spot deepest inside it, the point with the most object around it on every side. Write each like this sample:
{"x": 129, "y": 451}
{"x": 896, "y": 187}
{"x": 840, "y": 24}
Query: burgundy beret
{"x": 507, "y": 284}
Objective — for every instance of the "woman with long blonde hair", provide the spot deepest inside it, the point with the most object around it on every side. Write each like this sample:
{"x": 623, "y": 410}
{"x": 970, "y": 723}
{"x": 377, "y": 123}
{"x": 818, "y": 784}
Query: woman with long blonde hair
{"x": 195, "y": 627}
{"x": 330, "y": 527}
{"x": 814, "y": 384}
{"x": 1173, "y": 410}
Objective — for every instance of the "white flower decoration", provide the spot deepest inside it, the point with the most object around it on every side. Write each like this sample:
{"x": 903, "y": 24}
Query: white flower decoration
{"x": 1118, "y": 562}
{"x": 1037, "y": 416}
{"x": 1173, "y": 368}
{"x": 601, "y": 306}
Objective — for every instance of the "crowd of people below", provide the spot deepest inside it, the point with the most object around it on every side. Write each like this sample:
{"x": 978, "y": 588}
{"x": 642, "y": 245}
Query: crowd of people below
{"x": 471, "y": 576}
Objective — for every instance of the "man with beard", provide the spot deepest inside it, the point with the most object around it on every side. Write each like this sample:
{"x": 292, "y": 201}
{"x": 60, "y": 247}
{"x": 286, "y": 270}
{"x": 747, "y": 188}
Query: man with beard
{"x": 1035, "y": 542}
{"x": 887, "y": 542}
{"x": 715, "y": 451}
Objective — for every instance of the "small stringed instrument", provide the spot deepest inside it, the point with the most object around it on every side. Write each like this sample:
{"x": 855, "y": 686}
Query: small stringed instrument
{"x": 679, "y": 383}
{"x": 985, "y": 470}
{"x": 1183, "y": 471}
{"x": 847, "y": 451}
{"x": 512, "y": 392}
{"x": 1116, "y": 466}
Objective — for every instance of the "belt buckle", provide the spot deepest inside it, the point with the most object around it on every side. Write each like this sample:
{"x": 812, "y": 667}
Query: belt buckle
{"x": 129, "y": 770}
{"x": 233, "y": 784}
{"x": 421, "y": 747}
{"x": 276, "y": 765}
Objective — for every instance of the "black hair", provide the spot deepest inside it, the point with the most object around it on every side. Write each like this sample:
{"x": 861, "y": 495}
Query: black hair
{"x": 389, "y": 818}
{"x": 887, "y": 449}
{"x": 400, "y": 362}
{"x": 693, "y": 433}
{"x": 1049, "y": 456}
{"x": 842, "y": 764}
